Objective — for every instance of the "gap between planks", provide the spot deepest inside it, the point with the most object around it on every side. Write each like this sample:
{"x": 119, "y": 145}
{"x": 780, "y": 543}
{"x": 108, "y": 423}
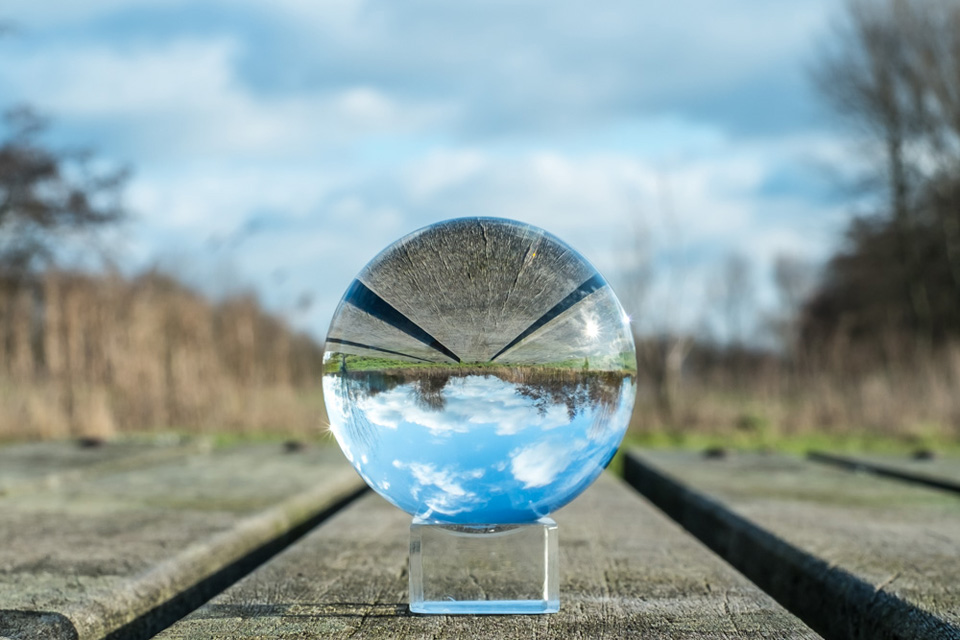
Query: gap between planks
{"x": 888, "y": 470}
{"x": 186, "y": 530}
{"x": 183, "y": 603}
{"x": 830, "y": 598}
{"x": 626, "y": 570}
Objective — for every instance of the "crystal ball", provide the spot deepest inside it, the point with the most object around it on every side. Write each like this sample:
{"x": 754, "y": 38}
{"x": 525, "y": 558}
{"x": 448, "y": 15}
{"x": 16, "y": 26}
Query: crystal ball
{"x": 479, "y": 370}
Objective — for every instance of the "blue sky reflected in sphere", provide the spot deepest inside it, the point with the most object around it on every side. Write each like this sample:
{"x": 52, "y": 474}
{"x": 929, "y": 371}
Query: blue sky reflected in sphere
{"x": 479, "y": 371}
{"x": 491, "y": 454}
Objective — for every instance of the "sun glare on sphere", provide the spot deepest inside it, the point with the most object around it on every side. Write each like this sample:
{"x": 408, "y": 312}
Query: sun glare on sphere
{"x": 591, "y": 329}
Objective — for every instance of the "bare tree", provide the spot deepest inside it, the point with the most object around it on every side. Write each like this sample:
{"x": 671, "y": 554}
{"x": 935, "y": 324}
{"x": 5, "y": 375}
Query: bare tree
{"x": 46, "y": 195}
{"x": 662, "y": 347}
{"x": 795, "y": 280}
{"x": 893, "y": 74}
{"x": 735, "y": 293}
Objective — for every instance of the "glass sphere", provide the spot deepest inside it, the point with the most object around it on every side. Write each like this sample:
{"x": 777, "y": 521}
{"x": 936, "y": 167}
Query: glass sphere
{"x": 479, "y": 370}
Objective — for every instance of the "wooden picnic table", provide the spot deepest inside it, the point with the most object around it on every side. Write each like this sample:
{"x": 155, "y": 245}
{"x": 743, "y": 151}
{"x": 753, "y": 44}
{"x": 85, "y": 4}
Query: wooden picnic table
{"x": 931, "y": 472}
{"x": 262, "y": 541}
{"x": 129, "y": 551}
{"x": 854, "y": 555}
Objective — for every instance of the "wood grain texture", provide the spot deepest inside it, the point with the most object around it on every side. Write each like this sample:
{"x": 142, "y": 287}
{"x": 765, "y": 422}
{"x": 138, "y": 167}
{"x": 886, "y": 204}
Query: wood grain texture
{"x": 476, "y": 284}
{"x": 358, "y": 327}
{"x": 626, "y": 570}
{"x": 856, "y": 556}
{"x": 101, "y": 552}
{"x": 36, "y": 466}
{"x": 939, "y": 473}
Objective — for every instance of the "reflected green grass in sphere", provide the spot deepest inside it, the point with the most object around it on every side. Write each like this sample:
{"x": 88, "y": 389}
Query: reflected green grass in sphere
{"x": 479, "y": 370}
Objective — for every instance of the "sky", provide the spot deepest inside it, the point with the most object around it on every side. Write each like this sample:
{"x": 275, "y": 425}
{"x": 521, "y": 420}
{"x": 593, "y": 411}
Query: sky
{"x": 490, "y": 454}
{"x": 279, "y": 146}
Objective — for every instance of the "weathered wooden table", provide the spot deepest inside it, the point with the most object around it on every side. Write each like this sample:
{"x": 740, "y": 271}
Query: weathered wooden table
{"x": 255, "y": 541}
{"x": 855, "y": 555}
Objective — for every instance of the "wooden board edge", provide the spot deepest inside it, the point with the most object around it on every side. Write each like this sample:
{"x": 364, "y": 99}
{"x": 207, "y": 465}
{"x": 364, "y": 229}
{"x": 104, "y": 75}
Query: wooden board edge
{"x": 856, "y": 464}
{"x": 142, "y": 607}
{"x": 830, "y": 600}
{"x": 135, "y": 460}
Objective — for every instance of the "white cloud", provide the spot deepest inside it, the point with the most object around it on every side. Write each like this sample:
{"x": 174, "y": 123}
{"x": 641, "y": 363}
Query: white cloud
{"x": 427, "y": 475}
{"x": 579, "y": 61}
{"x": 185, "y": 98}
{"x": 368, "y": 120}
{"x": 57, "y": 12}
{"x": 470, "y": 402}
{"x": 444, "y": 170}
{"x": 442, "y": 490}
{"x": 338, "y": 219}
{"x": 218, "y": 200}
{"x": 540, "y": 464}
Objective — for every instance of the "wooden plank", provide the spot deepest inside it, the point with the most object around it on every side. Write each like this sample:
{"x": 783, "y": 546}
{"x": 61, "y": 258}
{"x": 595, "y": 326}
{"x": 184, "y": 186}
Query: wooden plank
{"x": 854, "y": 556}
{"x": 939, "y": 473}
{"x": 136, "y": 549}
{"x": 474, "y": 284}
{"x": 625, "y": 570}
{"x": 35, "y": 466}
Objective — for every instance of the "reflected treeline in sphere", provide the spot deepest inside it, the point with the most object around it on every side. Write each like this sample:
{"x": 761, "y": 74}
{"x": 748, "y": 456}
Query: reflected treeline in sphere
{"x": 479, "y": 371}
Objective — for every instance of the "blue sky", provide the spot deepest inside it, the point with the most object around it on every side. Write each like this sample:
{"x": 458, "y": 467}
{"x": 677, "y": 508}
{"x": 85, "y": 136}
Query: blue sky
{"x": 490, "y": 455}
{"x": 280, "y": 145}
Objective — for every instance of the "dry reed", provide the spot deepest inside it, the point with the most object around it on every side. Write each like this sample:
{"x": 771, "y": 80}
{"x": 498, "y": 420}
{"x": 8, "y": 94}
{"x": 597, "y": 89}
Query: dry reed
{"x": 96, "y": 355}
{"x": 88, "y": 355}
{"x": 901, "y": 393}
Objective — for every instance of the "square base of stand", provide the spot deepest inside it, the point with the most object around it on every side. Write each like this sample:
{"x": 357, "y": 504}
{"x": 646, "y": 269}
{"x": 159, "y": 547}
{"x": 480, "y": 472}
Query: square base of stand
{"x": 483, "y": 569}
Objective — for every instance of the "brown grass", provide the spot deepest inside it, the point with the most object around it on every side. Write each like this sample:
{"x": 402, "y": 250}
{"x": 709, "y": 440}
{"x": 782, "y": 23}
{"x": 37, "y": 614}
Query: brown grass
{"x": 97, "y": 355}
{"x": 907, "y": 394}
{"x": 101, "y": 355}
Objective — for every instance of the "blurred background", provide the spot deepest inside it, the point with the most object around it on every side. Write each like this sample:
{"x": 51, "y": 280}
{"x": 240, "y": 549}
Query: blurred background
{"x": 773, "y": 189}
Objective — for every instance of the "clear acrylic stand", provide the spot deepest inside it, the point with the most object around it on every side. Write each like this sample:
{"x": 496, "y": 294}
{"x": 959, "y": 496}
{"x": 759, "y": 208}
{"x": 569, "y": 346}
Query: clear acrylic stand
{"x": 483, "y": 569}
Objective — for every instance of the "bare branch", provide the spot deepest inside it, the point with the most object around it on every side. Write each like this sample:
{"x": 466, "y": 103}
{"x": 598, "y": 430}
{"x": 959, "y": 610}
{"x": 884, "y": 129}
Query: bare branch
{"x": 44, "y": 193}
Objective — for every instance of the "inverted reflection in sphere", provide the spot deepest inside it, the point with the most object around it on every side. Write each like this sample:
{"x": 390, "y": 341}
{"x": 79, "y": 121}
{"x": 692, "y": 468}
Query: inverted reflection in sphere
{"x": 479, "y": 371}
